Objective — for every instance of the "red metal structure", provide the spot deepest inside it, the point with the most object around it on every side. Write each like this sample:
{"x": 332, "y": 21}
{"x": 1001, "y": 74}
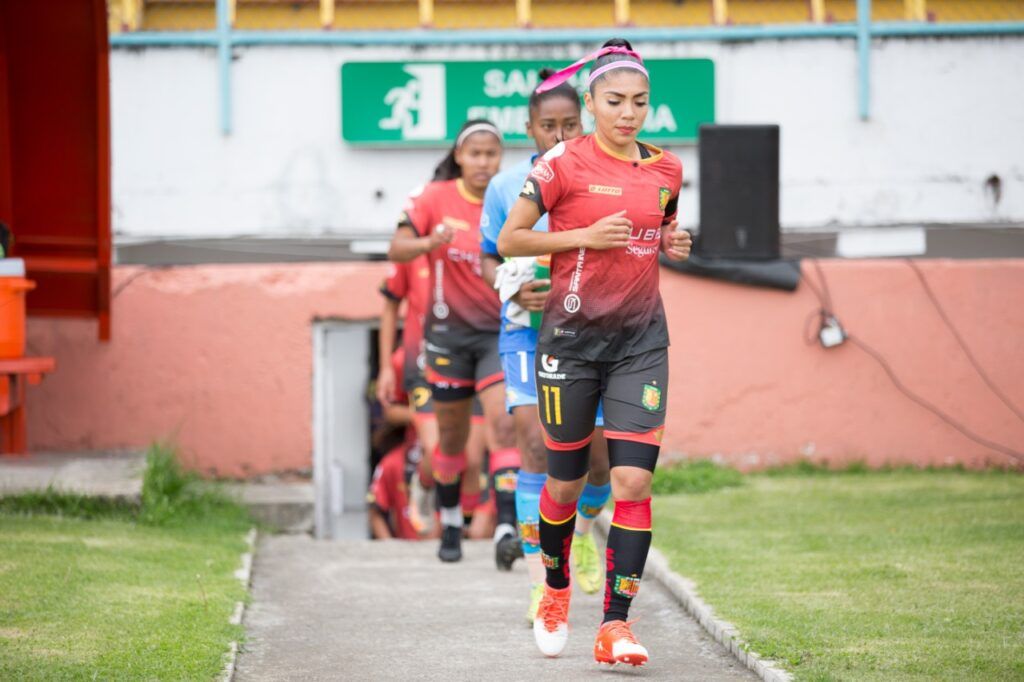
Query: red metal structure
{"x": 55, "y": 152}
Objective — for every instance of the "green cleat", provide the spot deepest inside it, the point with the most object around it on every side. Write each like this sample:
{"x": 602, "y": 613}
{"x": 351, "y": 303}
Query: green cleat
{"x": 586, "y": 563}
{"x": 536, "y": 594}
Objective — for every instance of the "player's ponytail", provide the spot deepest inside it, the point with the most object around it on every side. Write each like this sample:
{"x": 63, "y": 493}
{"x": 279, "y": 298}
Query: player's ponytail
{"x": 565, "y": 90}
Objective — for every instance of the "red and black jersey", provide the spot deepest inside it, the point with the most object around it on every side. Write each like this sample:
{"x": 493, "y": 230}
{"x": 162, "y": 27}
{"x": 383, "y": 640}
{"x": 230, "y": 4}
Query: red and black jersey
{"x": 460, "y": 300}
{"x": 605, "y": 305}
{"x": 411, "y": 282}
{"x": 389, "y": 492}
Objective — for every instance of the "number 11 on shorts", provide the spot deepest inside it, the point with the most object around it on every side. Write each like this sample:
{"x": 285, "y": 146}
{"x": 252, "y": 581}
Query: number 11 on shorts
{"x": 552, "y": 394}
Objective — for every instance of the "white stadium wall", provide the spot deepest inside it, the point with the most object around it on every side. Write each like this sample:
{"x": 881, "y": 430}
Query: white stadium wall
{"x": 946, "y": 114}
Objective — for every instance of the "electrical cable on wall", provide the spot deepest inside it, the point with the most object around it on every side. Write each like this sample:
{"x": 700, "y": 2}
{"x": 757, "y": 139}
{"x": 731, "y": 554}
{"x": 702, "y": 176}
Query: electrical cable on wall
{"x": 827, "y": 333}
{"x": 963, "y": 345}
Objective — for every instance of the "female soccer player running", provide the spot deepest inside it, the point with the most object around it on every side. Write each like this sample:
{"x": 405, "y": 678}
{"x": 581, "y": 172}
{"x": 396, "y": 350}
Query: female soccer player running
{"x": 611, "y": 204}
{"x": 554, "y": 116}
{"x": 410, "y": 282}
{"x": 443, "y": 223}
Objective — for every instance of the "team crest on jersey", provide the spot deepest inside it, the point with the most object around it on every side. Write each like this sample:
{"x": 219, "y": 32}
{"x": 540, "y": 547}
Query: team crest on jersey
{"x": 651, "y": 399}
{"x": 550, "y": 562}
{"x": 543, "y": 172}
{"x": 627, "y": 585}
{"x": 506, "y": 482}
{"x": 664, "y": 194}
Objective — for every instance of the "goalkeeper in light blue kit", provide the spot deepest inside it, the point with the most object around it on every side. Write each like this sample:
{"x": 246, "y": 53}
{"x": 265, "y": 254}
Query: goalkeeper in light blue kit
{"x": 554, "y": 116}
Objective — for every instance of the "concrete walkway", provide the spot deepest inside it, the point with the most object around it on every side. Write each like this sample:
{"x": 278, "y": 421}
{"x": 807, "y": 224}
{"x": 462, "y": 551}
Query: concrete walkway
{"x": 391, "y": 611}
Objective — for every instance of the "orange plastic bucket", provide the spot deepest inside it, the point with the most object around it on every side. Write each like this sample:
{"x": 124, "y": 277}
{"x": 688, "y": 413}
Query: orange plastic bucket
{"x": 12, "y": 315}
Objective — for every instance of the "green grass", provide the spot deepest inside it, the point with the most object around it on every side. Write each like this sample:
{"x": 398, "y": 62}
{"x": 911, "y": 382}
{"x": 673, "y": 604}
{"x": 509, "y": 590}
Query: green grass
{"x": 898, "y": 575}
{"x": 693, "y": 476}
{"x": 94, "y": 589}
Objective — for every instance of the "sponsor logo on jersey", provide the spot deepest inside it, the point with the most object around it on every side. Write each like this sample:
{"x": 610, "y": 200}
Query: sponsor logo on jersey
{"x": 456, "y": 223}
{"x": 506, "y": 482}
{"x": 444, "y": 362}
{"x": 572, "y": 304}
{"x": 627, "y": 585}
{"x": 605, "y": 189}
{"x": 651, "y": 399}
{"x": 565, "y": 332}
{"x": 441, "y": 310}
{"x": 641, "y": 251}
{"x": 550, "y": 562}
{"x": 664, "y": 194}
{"x": 529, "y": 188}
{"x": 543, "y": 172}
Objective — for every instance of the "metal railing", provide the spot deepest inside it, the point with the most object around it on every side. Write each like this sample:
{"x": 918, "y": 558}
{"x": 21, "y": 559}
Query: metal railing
{"x": 860, "y": 27}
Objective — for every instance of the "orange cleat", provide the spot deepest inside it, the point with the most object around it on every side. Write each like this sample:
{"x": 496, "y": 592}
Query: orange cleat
{"x": 617, "y": 644}
{"x": 551, "y": 624}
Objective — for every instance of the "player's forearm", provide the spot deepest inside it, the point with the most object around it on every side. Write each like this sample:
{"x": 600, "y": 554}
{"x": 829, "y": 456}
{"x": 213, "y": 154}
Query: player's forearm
{"x": 489, "y": 268}
{"x": 522, "y": 240}
{"x": 406, "y": 247}
{"x": 388, "y": 331}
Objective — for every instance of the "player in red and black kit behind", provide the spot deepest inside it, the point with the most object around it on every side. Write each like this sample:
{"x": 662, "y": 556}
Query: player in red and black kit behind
{"x": 611, "y": 205}
{"x": 410, "y": 282}
{"x": 461, "y": 332}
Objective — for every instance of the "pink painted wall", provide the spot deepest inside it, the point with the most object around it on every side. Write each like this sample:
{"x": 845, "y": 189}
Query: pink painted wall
{"x": 220, "y": 357}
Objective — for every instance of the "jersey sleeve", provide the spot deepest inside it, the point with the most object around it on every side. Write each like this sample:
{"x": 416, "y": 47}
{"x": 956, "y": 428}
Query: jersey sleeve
{"x": 396, "y": 285}
{"x": 672, "y": 206}
{"x": 549, "y": 181}
{"x": 418, "y": 212}
{"x": 492, "y": 219}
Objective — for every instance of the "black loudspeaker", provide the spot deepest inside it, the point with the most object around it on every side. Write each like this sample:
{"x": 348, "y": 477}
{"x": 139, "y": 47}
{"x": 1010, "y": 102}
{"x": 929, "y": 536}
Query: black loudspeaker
{"x": 739, "y": 192}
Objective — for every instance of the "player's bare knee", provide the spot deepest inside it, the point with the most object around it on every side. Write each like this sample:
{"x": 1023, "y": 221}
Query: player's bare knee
{"x": 631, "y": 483}
{"x": 564, "y": 492}
{"x": 503, "y": 431}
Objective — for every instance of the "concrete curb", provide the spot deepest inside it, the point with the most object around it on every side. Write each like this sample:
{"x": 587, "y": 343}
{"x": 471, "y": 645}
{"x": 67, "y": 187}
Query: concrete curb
{"x": 244, "y": 575}
{"x": 685, "y": 592}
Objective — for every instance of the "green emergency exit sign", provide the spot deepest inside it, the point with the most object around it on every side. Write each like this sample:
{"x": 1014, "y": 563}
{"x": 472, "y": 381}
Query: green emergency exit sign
{"x": 406, "y": 104}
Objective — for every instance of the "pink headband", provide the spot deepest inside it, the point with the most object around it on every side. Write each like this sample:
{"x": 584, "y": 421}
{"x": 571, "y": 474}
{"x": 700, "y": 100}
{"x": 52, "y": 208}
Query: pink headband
{"x": 561, "y": 76}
